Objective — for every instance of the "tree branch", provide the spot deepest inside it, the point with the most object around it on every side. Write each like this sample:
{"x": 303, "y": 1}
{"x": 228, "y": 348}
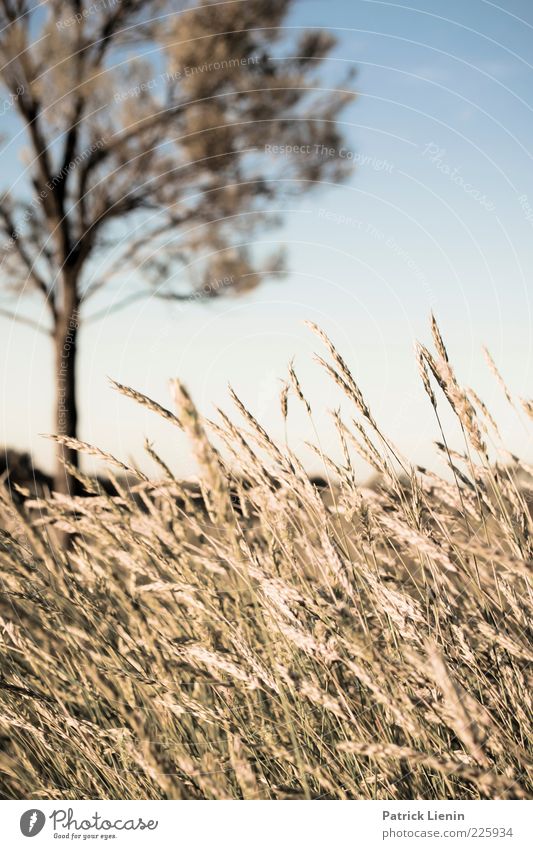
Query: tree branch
{"x": 143, "y": 125}
{"x": 22, "y": 319}
{"x": 29, "y": 108}
{"x": 130, "y": 299}
{"x": 10, "y": 228}
{"x": 137, "y": 296}
{"x": 131, "y": 251}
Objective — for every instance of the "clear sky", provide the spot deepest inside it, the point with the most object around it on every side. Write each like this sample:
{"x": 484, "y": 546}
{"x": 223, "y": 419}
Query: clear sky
{"x": 438, "y": 215}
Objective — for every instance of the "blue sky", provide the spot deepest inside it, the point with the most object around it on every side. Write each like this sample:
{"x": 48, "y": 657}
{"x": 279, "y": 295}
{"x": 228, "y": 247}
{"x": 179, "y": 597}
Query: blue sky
{"x": 434, "y": 218}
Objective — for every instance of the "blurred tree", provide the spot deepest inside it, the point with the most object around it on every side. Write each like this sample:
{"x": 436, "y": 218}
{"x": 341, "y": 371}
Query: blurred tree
{"x": 157, "y": 132}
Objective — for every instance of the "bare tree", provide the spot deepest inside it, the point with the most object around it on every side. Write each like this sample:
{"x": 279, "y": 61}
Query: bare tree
{"x": 179, "y": 124}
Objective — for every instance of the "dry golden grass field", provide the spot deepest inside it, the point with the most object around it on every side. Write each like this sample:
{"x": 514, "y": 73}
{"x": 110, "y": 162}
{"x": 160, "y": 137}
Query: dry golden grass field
{"x": 273, "y": 639}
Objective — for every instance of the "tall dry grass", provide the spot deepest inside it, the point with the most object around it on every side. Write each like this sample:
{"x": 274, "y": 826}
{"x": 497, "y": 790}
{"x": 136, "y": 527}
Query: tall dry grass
{"x": 269, "y": 640}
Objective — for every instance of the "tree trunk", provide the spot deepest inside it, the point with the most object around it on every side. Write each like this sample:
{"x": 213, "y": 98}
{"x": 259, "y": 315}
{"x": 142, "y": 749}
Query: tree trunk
{"x": 65, "y": 339}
